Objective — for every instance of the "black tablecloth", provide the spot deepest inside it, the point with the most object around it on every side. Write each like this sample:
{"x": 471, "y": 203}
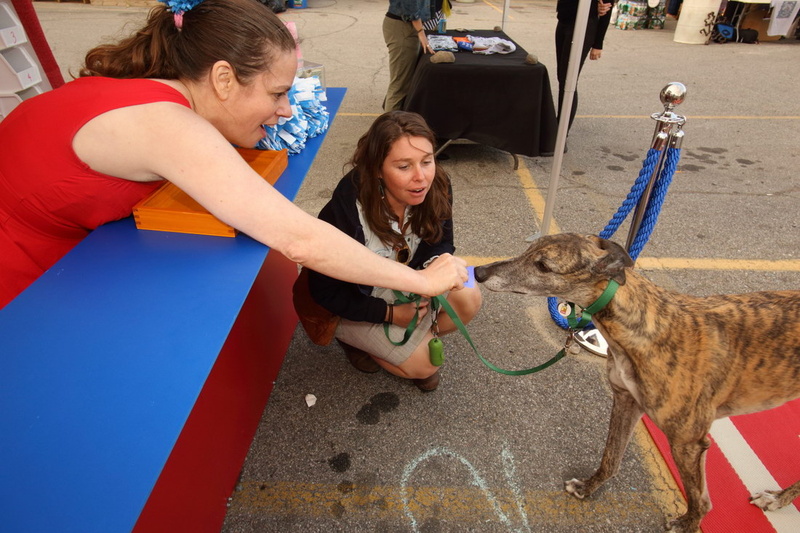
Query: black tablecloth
{"x": 497, "y": 100}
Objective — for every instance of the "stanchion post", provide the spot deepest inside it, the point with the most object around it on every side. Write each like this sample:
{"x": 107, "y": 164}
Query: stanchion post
{"x": 665, "y": 136}
{"x": 668, "y": 135}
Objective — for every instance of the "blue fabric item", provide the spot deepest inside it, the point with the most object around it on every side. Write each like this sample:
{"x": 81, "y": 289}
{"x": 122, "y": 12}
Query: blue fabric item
{"x": 309, "y": 118}
{"x": 180, "y": 6}
{"x": 727, "y": 31}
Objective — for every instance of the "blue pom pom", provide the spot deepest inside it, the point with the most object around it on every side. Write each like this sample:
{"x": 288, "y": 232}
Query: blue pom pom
{"x": 181, "y": 6}
{"x": 309, "y": 118}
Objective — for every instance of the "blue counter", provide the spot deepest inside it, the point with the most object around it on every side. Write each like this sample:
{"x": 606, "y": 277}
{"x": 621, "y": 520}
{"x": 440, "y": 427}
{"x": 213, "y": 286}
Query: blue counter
{"x": 134, "y": 373}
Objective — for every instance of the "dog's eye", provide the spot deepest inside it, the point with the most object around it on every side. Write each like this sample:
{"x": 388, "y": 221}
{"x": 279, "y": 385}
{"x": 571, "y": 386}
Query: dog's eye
{"x": 541, "y": 267}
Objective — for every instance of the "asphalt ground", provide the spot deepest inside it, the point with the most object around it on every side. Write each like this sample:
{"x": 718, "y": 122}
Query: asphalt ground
{"x": 488, "y": 452}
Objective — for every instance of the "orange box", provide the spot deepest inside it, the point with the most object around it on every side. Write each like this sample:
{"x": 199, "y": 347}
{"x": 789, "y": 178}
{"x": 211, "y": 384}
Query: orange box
{"x": 170, "y": 209}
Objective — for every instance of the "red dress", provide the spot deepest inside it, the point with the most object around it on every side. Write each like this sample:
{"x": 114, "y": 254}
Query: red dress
{"x": 49, "y": 198}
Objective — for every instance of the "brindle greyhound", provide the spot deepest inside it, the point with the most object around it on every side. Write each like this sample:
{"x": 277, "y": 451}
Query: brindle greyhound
{"x": 683, "y": 360}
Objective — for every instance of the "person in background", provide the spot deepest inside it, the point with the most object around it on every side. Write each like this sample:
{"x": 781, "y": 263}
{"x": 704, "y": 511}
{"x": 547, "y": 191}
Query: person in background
{"x": 167, "y": 103}
{"x": 398, "y": 203}
{"x": 596, "y": 27}
{"x": 404, "y": 35}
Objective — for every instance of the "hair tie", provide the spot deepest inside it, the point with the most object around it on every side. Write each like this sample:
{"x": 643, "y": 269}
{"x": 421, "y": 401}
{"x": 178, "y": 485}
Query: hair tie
{"x": 178, "y": 8}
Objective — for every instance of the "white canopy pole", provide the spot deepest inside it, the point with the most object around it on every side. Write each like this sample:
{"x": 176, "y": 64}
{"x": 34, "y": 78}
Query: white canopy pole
{"x": 578, "y": 38}
{"x": 506, "y": 7}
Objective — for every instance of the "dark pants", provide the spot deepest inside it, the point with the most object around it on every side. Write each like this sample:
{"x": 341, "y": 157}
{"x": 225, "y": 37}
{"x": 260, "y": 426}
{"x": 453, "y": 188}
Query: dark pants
{"x": 564, "y": 33}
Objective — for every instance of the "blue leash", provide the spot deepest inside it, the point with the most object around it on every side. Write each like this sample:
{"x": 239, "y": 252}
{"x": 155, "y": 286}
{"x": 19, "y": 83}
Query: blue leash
{"x": 651, "y": 213}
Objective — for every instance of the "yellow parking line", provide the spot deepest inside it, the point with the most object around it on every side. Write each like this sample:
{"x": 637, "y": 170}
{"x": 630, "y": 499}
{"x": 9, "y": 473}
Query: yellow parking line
{"x": 688, "y": 263}
{"x": 702, "y": 117}
{"x": 496, "y": 8}
{"x": 475, "y": 260}
{"x": 535, "y": 198}
{"x": 669, "y": 498}
{"x": 637, "y": 117}
{"x": 460, "y": 504}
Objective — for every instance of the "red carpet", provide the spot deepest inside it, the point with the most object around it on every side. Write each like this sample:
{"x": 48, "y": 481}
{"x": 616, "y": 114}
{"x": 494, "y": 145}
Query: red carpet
{"x": 768, "y": 446}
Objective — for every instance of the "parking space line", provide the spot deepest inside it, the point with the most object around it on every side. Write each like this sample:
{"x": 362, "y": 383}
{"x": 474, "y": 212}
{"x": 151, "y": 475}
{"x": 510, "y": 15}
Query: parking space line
{"x": 535, "y": 197}
{"x": 702, "y": 117}
{"x": 639, "y": 117}
{"x": 698, "y": 263}
{"x": 458, "y": 504}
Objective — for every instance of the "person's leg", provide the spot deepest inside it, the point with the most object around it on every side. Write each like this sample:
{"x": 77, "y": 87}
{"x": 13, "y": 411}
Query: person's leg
{"x": 371, "y": 340}
{"x": 591, "y": 30}
{"x": 563, "y": 45}
{"x": 409, "y": 360}
{"x": 403, "y": 46}
{"x": 466, "y": 303}
{"x": 417, "y": 366}
{"x": 564, "y": 34}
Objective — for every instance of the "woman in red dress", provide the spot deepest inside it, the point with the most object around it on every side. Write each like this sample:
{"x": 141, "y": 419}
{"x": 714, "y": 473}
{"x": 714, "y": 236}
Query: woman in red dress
{"x": 167, "y": 103}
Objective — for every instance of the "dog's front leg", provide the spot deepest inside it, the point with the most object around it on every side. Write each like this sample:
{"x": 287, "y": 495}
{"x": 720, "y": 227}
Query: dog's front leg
{"x": 625, "y": 413}
{"x": 772, "y": 500}
{"x": 690, "y": 458}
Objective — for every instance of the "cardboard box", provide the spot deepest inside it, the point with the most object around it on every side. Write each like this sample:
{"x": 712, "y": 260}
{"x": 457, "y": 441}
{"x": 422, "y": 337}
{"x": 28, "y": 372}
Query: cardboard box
{"x": 756, "y": 17}
{"x": 170, "y": 209}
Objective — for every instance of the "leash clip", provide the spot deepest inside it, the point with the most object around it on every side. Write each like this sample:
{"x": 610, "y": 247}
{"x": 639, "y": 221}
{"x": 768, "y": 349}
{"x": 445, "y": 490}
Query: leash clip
{"x": 434, "y": 310}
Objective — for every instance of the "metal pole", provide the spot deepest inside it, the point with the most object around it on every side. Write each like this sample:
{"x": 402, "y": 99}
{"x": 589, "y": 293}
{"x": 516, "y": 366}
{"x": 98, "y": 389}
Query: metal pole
{"x": 671, "y": 95}
{"x": 506, "y": 7}
{"x": 668, "y": 134}
{"x": 573, "y": 68}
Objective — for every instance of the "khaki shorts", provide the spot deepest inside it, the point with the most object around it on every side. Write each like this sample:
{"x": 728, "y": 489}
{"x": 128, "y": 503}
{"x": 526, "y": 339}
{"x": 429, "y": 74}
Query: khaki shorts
{"x": 372, "y": 339}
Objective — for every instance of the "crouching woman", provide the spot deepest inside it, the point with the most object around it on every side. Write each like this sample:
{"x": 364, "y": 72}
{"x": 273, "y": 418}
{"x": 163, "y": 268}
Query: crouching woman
{"x": 398, "y": 203}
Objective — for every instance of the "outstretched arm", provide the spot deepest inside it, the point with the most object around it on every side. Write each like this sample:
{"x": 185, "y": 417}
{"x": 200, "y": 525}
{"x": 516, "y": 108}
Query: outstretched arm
{"x": 171, "y": 141}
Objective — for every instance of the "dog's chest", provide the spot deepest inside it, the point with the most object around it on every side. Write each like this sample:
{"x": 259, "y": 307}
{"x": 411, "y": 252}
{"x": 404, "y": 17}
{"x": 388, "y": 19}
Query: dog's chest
{"x": 621, "y": 374}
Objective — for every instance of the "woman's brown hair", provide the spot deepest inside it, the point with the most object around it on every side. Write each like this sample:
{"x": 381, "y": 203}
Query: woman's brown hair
{"x": 245, "y": 33}
{"x": 371, "y": 151}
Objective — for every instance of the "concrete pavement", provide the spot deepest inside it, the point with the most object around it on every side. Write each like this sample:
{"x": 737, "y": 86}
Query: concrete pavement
{"x": 487, "y": 452}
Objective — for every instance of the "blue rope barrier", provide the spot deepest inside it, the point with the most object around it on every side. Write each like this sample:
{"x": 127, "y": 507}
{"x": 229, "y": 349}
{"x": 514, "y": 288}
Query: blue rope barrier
{"x": 651, "y": 213}
{"x": 655, "y": 203}
{"x": 648, "y": 166}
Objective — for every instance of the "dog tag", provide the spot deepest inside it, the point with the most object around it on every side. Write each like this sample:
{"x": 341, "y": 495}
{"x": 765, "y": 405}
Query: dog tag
{"x": 563, "y": 309}
{"x": 436, "y": 350}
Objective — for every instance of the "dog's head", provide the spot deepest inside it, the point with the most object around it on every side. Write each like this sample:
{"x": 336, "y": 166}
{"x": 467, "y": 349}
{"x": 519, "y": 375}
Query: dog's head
{"x": 566, "y": 265}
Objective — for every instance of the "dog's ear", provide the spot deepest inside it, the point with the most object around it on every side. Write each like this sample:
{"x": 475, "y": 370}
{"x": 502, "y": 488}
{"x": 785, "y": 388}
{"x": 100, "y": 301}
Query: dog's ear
{"x": 614, "y": 262}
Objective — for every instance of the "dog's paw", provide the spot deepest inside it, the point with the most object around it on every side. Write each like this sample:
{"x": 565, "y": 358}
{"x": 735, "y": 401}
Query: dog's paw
{"x": 767, "y": 500}
{"x": 576, "y": 487}
{"x": 682, "y": 524}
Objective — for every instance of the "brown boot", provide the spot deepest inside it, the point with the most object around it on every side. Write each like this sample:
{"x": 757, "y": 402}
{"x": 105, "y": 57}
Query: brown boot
{"x": 428, "y": 384}
{"x": 359, "y": 358}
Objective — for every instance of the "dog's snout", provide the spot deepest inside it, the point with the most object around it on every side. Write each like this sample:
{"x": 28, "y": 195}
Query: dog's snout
{"x": 481, "y": 274}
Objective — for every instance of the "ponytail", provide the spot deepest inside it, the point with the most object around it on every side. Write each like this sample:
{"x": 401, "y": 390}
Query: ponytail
{"x": 245, "y": 33}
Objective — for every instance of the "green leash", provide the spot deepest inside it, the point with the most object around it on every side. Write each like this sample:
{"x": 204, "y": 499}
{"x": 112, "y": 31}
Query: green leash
{"x": 435, "y": 345}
